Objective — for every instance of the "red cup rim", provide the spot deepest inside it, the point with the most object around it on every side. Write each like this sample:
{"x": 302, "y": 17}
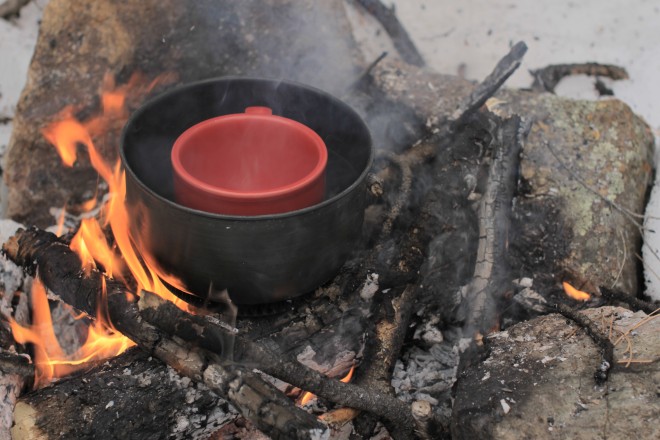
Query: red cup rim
{"x": 251, "y": 195}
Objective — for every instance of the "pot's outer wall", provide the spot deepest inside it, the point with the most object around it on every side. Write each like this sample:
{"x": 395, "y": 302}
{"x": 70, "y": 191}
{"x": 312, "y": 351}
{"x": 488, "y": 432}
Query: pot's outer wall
{"x": 258, "y": 259}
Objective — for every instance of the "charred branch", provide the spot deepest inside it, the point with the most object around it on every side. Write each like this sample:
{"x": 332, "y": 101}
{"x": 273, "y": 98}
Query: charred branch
{"x": 214, "y": 337}
{"x": 389, "y": 334}
{"x": 547, "y": 78}
{"x": 635, "y": 303}
{"x": 60, "y": 270}
{"x": 491, "y": 84}
{"x": 400, "y": 38}
{"x": 491, "y": 277}
{"x": 363, "y": 77}
{"x": 148, "y": 397}
{"x": 600, "y": 338}
{"x": 12, "y": 363}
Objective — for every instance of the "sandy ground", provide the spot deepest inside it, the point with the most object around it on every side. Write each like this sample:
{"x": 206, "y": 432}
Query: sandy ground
{"x": 472, "y": 35}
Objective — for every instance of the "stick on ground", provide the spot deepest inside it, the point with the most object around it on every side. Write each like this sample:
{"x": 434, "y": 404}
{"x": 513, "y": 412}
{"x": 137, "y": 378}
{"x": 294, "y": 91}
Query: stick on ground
{"x": 601, "y": 339}
{"x": 491, "y": 84}
{"x": 400, "y": 38}
{"x": 635, "y": 303}
{"x": 547, "y": 78}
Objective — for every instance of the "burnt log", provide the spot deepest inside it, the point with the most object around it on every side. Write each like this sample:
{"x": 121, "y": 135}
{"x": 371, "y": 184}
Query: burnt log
{"x": 214, "y": 337}
{"x": 131, "y": 396}
{"x": 482, "y": 297}
{"x": 61, "y": 271}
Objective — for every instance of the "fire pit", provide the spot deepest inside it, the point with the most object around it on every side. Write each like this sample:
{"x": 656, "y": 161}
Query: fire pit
{"x": 258, "y": 259}
{"x": 469, "y": 227}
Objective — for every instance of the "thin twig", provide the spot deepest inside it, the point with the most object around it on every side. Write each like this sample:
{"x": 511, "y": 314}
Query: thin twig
{"x": 623, "y": 260}
{"x": 596, "y": 335}
{"x": 487, "y": 88}
{"x": 365, "y": 74}
{"x": 649, "y": 318}
{"x": 629, "y": 348}
{"x": 636, "y": 361}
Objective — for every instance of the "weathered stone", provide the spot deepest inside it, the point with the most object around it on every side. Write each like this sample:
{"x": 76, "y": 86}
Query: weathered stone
{"x": 593, "y": 160}
{"x": 80, "y": 42}
{"x": 537, "y": 382}
{"x": 566, "y": 220}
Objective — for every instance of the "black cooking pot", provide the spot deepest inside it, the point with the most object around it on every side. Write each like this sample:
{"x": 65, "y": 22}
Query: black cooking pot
{"x": 259, "y": 259}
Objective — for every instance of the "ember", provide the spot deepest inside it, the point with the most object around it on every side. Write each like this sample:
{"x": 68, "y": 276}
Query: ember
{"x": 574, "y": 293}
{"x": 307, "y": 397}
{"x": 50, "y": 360}
{"x": 91, "y": 243}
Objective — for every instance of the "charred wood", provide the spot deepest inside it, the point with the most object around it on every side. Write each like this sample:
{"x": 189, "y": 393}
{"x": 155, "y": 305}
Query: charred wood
{"x": 491, "y": 84}
{"x": 491, "y": 277}
{"x": 214, "y": 337}
{"x": 388, "y": 19}
{"x": 600, "y": 338}
{"x": 364, "y": 76}
{"x": 547, "y": 78}
{"x": 635, "y": 303}
{"x": 60, "y": 270}
{"x": 132, "y": 396}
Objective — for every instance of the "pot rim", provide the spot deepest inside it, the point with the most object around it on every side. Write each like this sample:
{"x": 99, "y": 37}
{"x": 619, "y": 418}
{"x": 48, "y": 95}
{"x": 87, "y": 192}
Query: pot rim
{"x": 178, "y": 89}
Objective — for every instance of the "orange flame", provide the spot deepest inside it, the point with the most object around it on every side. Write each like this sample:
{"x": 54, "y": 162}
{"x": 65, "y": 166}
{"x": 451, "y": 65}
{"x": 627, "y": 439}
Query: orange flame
{"x": 90, "y": 242}
{"x": 574, "y": 293}
{"x": 67, "y": 134}
{"x": 49, "y": 358}
{"x": 309, "y": 396}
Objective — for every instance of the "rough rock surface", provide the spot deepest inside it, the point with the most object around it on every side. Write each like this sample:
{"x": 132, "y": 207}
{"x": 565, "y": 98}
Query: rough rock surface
{"x": 593, "y": 160}
{"x": 603, "y": 152}
{"x": 537, "y": 382}
{"x": 80, "y": 42}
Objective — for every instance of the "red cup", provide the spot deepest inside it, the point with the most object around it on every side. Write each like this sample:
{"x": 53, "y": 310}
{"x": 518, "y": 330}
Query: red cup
{"x": 251, "y": 163}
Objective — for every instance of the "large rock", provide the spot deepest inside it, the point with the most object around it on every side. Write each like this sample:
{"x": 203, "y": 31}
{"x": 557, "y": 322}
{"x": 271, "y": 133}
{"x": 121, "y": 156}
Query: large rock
{"x": 568, "y": 223}
{"x": 537, "y": 383}
{"x": 82, "y": 41}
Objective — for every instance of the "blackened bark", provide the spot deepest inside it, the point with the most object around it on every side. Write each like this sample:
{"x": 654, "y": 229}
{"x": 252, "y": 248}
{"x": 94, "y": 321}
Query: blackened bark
{"x": 132, "y": 396}
{"x": 61, "y": 271}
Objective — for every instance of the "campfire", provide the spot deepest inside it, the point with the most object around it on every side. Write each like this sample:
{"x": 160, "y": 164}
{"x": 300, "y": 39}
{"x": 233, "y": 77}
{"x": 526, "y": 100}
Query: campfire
{"x": 437, "y": 289}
